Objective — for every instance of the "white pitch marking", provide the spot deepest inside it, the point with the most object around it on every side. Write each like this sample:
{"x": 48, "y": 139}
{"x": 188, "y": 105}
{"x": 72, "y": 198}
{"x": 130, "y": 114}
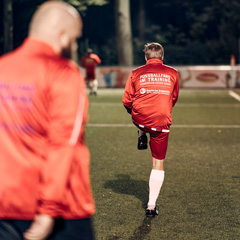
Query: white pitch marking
{"x": 234, "y": 95}
{"x": 205, "y": 126}
{"x": 173, "y": 126}
{"x": 177, "y": 105}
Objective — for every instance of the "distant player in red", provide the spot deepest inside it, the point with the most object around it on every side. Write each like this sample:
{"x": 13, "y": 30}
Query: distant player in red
{"x": 150, "y": 94}
{"x": 89, "y": 62}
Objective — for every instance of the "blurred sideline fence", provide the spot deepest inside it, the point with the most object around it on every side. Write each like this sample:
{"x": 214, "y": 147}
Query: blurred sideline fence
{"x": 224, "y": 76}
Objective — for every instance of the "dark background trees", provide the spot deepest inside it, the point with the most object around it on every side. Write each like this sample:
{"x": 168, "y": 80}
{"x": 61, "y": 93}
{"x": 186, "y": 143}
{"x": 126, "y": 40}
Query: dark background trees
{"x": 192, "y": 32}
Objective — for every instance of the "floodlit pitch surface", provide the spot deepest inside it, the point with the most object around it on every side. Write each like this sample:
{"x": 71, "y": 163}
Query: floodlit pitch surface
{"x": 200, "y": 197}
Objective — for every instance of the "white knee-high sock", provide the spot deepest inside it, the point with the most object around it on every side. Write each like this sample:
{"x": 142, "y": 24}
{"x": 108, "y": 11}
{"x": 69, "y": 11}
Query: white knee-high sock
{"x": 155, "y": 184}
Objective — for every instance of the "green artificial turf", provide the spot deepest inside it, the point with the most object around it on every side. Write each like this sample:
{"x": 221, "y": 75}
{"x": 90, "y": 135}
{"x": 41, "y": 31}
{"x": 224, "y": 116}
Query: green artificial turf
{"x": 200, "y": 197}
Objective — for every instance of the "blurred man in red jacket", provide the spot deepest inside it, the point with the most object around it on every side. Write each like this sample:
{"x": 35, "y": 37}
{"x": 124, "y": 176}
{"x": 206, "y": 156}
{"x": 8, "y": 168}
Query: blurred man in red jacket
{"x": 89, "y": 62}
{"x": 44, "y": 167}
{"x": 150, "y": 94}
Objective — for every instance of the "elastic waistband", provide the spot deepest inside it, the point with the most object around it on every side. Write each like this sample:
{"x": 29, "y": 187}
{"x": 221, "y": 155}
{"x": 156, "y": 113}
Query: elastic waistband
{"x": 152, "y": 129}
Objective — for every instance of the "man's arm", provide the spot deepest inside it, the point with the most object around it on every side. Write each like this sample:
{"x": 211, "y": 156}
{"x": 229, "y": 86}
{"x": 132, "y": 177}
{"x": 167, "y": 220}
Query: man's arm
{"x": 96, "y": 58}
{"x": 175, "y": 91}
{"x": 68, "y": 97}
{"x": 128, "y": 94}
{"x": 66, "y": 113}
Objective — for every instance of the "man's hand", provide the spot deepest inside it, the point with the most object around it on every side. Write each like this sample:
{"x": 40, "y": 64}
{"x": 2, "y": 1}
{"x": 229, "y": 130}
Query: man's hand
{"x": 40, "y": 229}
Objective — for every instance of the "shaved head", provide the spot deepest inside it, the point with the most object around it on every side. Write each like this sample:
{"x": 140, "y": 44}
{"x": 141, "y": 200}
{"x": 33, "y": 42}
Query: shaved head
{"x": 57, "y": 23}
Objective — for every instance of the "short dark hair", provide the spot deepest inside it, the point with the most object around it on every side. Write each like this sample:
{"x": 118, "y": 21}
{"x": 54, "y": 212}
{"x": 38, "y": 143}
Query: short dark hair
{"x": 154, "y": 50}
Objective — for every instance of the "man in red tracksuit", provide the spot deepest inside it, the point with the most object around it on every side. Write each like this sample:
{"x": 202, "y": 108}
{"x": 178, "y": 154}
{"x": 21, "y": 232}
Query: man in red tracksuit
{"x": 89, "y": 62}
{"x": 44, "y": 162}
{"x": 150, "y": 94}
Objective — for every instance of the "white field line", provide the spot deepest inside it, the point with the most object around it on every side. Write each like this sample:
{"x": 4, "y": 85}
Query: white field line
{"x": 120, "y": 91}
{"x": 177, "y": 105}
{"x": 234, "y": 95}
{"x": 173, "y": 126}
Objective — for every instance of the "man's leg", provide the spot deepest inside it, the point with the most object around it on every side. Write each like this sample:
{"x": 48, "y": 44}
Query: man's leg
{"x": 95, "y": 86}
{"x": 91, "y": 86}
{"x": 158, "y": 144}
{"x": 155, "y": 182}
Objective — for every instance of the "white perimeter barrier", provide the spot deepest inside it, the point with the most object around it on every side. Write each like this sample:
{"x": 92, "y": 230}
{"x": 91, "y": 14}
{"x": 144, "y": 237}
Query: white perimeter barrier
{"x": 224, "y": 76}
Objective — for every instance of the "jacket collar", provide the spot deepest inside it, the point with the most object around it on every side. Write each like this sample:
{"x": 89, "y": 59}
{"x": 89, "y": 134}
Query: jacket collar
{"x": 38, "y": 45}
{"x": 154, "y": 60}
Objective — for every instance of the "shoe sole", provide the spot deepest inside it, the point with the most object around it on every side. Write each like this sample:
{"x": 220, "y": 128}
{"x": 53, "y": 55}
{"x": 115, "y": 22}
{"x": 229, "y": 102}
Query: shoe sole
{"x": 152, "y": 213}
{"x": 142, "y": 148}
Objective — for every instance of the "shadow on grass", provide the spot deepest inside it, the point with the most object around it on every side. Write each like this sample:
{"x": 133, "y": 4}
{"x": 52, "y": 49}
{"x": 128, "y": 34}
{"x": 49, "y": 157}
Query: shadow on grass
{"x": 140, "y": 233}
{"x": 138, "y": 188}
{"x": 125, "y": 185}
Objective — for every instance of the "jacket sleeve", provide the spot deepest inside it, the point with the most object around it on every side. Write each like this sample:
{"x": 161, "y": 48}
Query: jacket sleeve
{"x": 175, "y": 91}
{"x": 128, "y": 94}
{"x": 67, "y": 110}
{"x": 96, "y": 58}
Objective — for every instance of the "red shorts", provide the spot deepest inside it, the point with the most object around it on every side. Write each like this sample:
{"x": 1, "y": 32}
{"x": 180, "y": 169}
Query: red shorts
{"x": 158, "y": 143}
{"x": 90, "y": 76}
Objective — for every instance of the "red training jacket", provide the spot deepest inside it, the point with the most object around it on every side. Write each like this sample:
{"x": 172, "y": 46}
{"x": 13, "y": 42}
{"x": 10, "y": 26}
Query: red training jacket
{"x": 89, "y": 62}
{"x": 44, "y": 162}
{"x": 150, "y": 94}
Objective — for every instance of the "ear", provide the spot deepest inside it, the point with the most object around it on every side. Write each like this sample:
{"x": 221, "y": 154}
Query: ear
{"x": 63, "y": 39}
{"x": 146, "y": 58}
